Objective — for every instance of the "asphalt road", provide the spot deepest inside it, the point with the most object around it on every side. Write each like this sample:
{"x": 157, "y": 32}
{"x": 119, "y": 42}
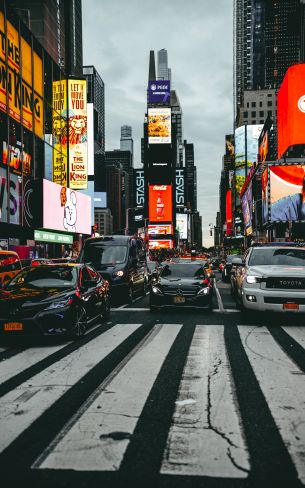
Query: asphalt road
{"x": 165, "y": 399}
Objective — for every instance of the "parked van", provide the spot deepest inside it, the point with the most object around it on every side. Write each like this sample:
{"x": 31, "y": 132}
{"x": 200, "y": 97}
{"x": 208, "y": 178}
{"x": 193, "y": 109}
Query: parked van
{"x": 121, "y": 260}
{"x": 10, "y": 265}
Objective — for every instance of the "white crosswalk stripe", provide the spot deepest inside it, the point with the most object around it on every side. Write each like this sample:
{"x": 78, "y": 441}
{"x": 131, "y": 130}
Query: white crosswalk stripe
{"x": 22, "y": 406}
{"x": 297, "y": 333}
{"x": 278, "y": 377}
{"x": 205, "y": 435}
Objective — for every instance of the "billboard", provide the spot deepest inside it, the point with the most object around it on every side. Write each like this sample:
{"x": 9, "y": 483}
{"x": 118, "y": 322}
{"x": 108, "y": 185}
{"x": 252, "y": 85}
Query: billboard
{"x": 181, "y": 225}
{"x": 78, "y": 157}
{"x": 247, "y": 210}
{"x": 159, "y": 158}
{"x": 60, "y": 132}
{"x": 229, "y": 216}
{"x": 65, "y": 209}
{"x": 253, "y": 133}
{"x": 265, "y": 196}
{"x": 287, "y": 193}
{"x": 180, "y": 182}
{"x": 139, "y": 187}
{"x": 159, "y": 91}
{"x": 160, "y": 203}
{"x": 158, "y": 230}
{"x": 263, "y": 141}
{"x": 159, "y": 126}
{"x": 291, "y": 109}
{"x": 24, "y": 93}
{"x": 164, "y": 244}
{"x": 230, "y": 149}
{"x": 90, "y": 133}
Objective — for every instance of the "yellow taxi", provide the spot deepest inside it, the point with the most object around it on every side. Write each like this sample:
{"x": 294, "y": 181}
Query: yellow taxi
{"x": 10, "y": 265}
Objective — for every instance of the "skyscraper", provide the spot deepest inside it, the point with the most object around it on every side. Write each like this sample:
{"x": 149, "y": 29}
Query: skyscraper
{"x": 96, "y": 95}
{"x": 164, "y": 73}
{"x": 177, "y": 121}
{"x": 268, "y": 37}
{"x": 126, "y": 141}
{"x": 57, "y": 24}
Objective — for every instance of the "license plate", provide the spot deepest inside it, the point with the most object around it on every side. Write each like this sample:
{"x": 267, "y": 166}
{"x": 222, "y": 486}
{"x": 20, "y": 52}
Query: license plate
{"x": 12, "y": 326}
{"x": 291, "y": 306}
{"x": 179, "y": 299}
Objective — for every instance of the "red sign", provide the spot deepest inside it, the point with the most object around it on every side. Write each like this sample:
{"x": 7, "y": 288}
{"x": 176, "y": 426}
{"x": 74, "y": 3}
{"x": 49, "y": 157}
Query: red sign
{"x": 291, "y": 109}
{"x": 164, "y": 244}
{"x": 160, "y": 203}
{"x": 229, "y": 212}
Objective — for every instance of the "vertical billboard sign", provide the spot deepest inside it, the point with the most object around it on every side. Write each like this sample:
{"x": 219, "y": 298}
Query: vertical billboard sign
{"x": 181, "y": 225}
{"x": 60, "y": 133}
{"x": 180, "y": 180}
{"x": 159, "y": 91}
{"x": 247, "y": 209}
{"x": 253, "y": 134}
{"x": 160, "y": 203}
{"x": 229, "y": 218}
{"x": 159, "y": 126}
{"x": 291, "y": 109}
{"x": 140, "y": 188}
{"x": 159, "y": 163}
{"x": 24, "y": 94}
{"x": 78, "y": 157}
{"x": 287, "y": 192}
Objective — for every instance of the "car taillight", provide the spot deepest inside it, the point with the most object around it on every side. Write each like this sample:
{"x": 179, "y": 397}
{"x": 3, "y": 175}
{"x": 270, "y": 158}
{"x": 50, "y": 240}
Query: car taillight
{"x": 77, "y": 293}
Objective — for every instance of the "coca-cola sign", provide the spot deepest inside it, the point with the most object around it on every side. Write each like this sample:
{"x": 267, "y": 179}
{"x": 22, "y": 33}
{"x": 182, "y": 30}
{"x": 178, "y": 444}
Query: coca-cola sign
{"x": 180, "y": 188}
{"x": 140, "y": 188}
{"x": 160, "y": 203}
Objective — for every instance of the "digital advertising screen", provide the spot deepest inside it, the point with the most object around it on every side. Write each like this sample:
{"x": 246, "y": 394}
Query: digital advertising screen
{"x": 65, "y": 209}
{"x": 287, "y": 195}
{"x": 229, "y": 216}
{"x": 160, "y": 203}
{"x": 253, "y": 134}
{"x": 164, "y": 244}
{"x": 159, "y": 126}
{"x": 159, "y": 163}
{"x": 181, "y": 225}
{"x": 159, "y": 91}
{"x": 265, "y": 196}
{"x": 247, "y": 210}
{"x": 158, "y": 230}
{"x": 291, "y": 109}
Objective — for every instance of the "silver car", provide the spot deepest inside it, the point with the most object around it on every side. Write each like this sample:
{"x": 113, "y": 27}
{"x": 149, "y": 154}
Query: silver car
{"x": 271, "y": 278}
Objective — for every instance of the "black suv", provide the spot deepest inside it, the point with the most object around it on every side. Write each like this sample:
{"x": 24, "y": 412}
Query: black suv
{"x": 121, "y": 260}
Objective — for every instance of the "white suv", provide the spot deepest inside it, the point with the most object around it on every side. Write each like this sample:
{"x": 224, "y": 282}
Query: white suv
{"x": 271, "y": 278}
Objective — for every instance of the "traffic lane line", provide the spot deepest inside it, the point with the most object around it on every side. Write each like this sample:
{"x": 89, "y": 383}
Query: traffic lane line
{"x": 219, "y": 300}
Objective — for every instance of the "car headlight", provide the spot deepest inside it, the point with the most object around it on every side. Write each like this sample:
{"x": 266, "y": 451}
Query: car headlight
{"x": 253, "y": 279}
{"x": 203, "y": 291}
{"x": 156, "y": 290}
{"x": 60, "y": 304}
{"x": 118, "y": 274}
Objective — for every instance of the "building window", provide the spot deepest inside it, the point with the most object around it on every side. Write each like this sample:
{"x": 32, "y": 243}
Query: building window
{"x": 253, "y": 114}
{"x": 261, "y": 121}
{"x": 253, "y": 104}
{"x": 245, "y": 115}
{"x": 270, "y": 112}
{"x": 261, "y": 113}
{"x": 260, "y": 104}
{"x": 269, "y": 103}
{"x": 253, "y": 122}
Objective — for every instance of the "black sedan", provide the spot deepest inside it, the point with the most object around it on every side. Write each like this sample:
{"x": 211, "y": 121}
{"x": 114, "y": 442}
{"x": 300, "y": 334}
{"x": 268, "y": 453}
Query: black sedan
{"x": 60, "y": 299}
{"x": 181, "y": 285}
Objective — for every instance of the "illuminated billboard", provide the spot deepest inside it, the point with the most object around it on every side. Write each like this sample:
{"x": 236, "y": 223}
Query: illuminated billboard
{"x": 265, "y": 196}
{"x": 23, "y": 92}
{"x": 253, "y": 134}
{"x": 65, "y": 209}
{"x": 181, "y": 225}
{"x": 247, "y": 209}
{"x": 159, "y": 91}
{"x": 159, "y": 157}
{"x": 60, "y": 133}
{"x": 139, "y": 187}
{"x": 229, "y": 216}
{"x": 159, "y": 126}
{"x": 160, "y": 203}
{"x": 164, "y": 244}
{"x": 287, "y": 193}
{"x": 291, "y": 109}
{"x": 158, "y": 230}
{"x": 78, "y": 157}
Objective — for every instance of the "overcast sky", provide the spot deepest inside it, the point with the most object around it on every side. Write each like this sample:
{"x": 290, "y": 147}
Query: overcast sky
{"x": 117, "y": 38}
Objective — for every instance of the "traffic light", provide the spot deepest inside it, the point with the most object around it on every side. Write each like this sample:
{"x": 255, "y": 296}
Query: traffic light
{"x": 211, "y": 232}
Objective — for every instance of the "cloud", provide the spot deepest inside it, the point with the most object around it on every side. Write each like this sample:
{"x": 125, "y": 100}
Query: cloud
{"x": 117, "y": 38}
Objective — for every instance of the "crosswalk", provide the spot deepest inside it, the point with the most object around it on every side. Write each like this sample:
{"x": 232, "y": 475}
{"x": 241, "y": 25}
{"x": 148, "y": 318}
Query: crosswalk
{"x": 173, "y": 400}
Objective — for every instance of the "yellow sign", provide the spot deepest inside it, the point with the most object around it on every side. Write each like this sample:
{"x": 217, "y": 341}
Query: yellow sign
{"x": 25, "y": 105}
{"x": 60, "y": 133}
{"x": 77, "y": 104}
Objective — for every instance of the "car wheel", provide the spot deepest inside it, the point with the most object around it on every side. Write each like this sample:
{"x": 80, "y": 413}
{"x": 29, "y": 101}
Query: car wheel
{"x": 130, "y": 296}
{"x": 106, "y": 309}
{"x": 80, "y": 324}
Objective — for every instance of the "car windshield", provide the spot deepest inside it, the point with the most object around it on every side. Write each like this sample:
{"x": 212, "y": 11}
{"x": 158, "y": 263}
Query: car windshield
{"x": 277, "y": 256}
{"x": 182, "y": 271}
{"x": 49, "y": 277}
{"x": 232, "y": 256}
{"x": 98, "y": 255}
